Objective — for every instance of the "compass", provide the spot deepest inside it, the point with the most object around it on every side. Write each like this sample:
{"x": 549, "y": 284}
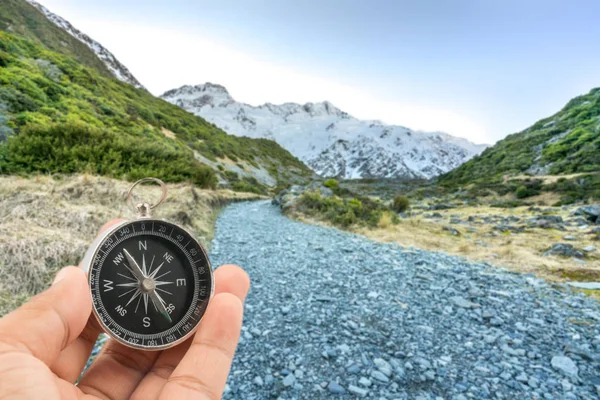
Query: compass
{"x": 150, "y": 280}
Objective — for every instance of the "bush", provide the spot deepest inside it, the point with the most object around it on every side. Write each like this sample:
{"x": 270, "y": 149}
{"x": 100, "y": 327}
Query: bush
{"x": 521, "y": 192}
{"x": 76, "y": 147}
{"x": 331, "y": 184}
{"x": 400, "y": 203}
{"x": 342, "y": 212}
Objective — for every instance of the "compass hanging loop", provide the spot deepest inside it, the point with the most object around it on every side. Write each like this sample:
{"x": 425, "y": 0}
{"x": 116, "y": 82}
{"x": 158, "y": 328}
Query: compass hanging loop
{"x": 144, "y": 209}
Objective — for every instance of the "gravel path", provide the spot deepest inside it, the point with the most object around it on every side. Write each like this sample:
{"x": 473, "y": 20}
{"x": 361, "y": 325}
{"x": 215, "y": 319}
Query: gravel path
{"x": 331, "y": 314}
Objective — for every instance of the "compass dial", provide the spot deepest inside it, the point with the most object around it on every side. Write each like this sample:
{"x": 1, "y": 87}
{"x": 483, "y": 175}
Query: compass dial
{"x": 151, "y": 282}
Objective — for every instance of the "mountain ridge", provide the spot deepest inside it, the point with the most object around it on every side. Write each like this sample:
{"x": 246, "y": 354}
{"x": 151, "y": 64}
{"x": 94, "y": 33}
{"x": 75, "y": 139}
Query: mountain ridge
{"x": 117, "y": 68}
{"x": 566, "y": 142}
{"x": 329, "y": 140}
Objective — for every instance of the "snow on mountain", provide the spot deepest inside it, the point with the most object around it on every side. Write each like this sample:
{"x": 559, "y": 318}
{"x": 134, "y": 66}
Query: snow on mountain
{"x": 329, "y": 140}
{"x": 119, "y": 70}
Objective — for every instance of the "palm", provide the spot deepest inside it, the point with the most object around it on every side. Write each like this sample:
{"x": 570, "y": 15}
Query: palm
{"x": 45, "y": 344}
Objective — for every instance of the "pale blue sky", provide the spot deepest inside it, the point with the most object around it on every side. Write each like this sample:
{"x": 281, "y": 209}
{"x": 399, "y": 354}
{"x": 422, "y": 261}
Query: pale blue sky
{"x": 476, "y": 69}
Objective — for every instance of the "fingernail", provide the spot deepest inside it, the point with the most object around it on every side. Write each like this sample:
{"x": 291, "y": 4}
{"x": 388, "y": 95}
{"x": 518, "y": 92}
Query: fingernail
{"x": 62, "y": 274}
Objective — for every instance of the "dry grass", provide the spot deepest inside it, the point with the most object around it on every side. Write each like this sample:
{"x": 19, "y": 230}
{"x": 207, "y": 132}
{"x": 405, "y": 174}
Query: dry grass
{"x": 47, "y": 223}
{"x": 520, "y": 252}
{"x": 386, "y": 220}
{"x": 546, "y": 179}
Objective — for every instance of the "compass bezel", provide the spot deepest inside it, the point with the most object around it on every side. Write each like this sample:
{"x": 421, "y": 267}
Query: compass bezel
{"x": 88, "y": 266}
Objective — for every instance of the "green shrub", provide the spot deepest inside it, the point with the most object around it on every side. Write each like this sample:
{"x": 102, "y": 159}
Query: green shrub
{"x": 342, "y": 212}
{"x": 400, "y": 203}
{"x": 521, "y": 192}
{"x": 331, "y": 184}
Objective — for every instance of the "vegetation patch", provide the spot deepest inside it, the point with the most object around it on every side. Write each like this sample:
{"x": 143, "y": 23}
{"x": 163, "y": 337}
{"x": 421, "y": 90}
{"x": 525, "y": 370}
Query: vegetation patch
{"x": 565, "y": 143}
{"x": 344, "y": 212}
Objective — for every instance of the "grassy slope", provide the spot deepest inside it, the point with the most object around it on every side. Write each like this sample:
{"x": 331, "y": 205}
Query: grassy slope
{"x": 21, "y": 18}
{"x": 70, "y": 118}
{"x": 46, "y": 223}
{"x": 567, "y": 142}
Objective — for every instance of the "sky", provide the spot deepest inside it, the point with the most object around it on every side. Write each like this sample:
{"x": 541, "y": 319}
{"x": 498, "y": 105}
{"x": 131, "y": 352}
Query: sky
{"x": 477, "y": 69}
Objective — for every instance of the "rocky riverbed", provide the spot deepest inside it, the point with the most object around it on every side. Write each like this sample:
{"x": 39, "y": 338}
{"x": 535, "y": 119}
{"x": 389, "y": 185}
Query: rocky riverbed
{"x": 335, "y": 315}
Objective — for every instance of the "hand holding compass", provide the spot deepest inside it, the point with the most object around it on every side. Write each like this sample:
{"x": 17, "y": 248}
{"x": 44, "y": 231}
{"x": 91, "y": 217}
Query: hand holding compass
{"x": 48, "y": 341}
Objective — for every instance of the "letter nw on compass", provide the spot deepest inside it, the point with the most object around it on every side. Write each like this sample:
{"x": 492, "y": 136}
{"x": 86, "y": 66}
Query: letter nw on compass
{"x": 150, "y": 283}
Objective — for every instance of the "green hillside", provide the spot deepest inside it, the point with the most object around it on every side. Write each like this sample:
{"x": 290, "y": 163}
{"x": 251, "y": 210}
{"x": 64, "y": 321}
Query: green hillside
{"x": 567, "y": 142}
{"x": 57, "y": 115}
{"x": 21, "y": 18}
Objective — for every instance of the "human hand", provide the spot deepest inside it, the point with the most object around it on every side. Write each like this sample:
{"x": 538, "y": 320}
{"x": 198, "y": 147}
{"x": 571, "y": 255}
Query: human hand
{"x": 45, "y": 344}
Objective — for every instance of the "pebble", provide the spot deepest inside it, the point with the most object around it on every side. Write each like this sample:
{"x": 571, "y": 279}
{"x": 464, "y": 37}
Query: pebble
{"x": 462, "y": 302}
{"x": 289, "y": 380}
{"x": 364, "y": 382}
{"x": 565, "y": 365}
{"x": 380, "y": 376}
{"x": 335, "y": 388}
{"x": 357, "y": 391}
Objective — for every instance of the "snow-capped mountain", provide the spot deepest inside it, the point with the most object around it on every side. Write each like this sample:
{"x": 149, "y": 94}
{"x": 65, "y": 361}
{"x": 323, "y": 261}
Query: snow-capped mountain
{"x": 119, "y": 70}
{"x": 329, "y": 140}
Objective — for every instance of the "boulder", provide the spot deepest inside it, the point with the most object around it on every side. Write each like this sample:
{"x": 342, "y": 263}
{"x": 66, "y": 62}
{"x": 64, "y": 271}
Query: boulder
{"x": 591, "y": 213}
{"x": 563, "y": 250}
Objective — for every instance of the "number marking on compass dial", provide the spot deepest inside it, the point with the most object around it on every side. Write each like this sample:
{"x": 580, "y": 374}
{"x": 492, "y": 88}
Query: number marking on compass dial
{"x": 151, "y": 283}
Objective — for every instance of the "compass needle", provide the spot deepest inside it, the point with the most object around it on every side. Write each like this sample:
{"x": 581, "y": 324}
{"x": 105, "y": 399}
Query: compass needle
{"x": 146, "y": 303}
{"x": 135, "y": 268}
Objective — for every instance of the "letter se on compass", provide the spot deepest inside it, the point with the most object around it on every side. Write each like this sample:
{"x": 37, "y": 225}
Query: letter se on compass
{"x": 150, "y": 282}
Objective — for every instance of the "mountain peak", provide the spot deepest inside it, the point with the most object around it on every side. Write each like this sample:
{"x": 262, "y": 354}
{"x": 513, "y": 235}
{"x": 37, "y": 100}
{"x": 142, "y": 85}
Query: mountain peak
{"x": 205, "y": 94}
{"x": 328, "y": 139}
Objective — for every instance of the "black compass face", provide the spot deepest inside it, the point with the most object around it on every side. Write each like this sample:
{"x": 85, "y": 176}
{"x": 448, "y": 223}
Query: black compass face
{"x": 151, "y": 282}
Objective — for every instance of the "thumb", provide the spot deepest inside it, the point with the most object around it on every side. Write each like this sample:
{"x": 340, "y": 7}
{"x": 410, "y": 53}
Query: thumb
{"x": 51, "y": 320}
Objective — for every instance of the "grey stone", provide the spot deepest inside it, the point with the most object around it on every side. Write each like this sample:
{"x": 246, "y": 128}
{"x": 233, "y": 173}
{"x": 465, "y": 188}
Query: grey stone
{"x": 335, "y": 388}
{"x": 358, "y": 391}
{"x": 289, "y": 380}
{"x": 380, "y": 376}
{"x": 364, "y": 382}
{"x": 565, "y": 365}
{"x": 563, "y": 250}
{"x": 462, "y": 302}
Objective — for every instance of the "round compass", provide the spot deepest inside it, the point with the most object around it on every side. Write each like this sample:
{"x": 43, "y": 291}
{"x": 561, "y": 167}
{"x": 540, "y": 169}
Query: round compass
{"x": 150, "y": 282}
